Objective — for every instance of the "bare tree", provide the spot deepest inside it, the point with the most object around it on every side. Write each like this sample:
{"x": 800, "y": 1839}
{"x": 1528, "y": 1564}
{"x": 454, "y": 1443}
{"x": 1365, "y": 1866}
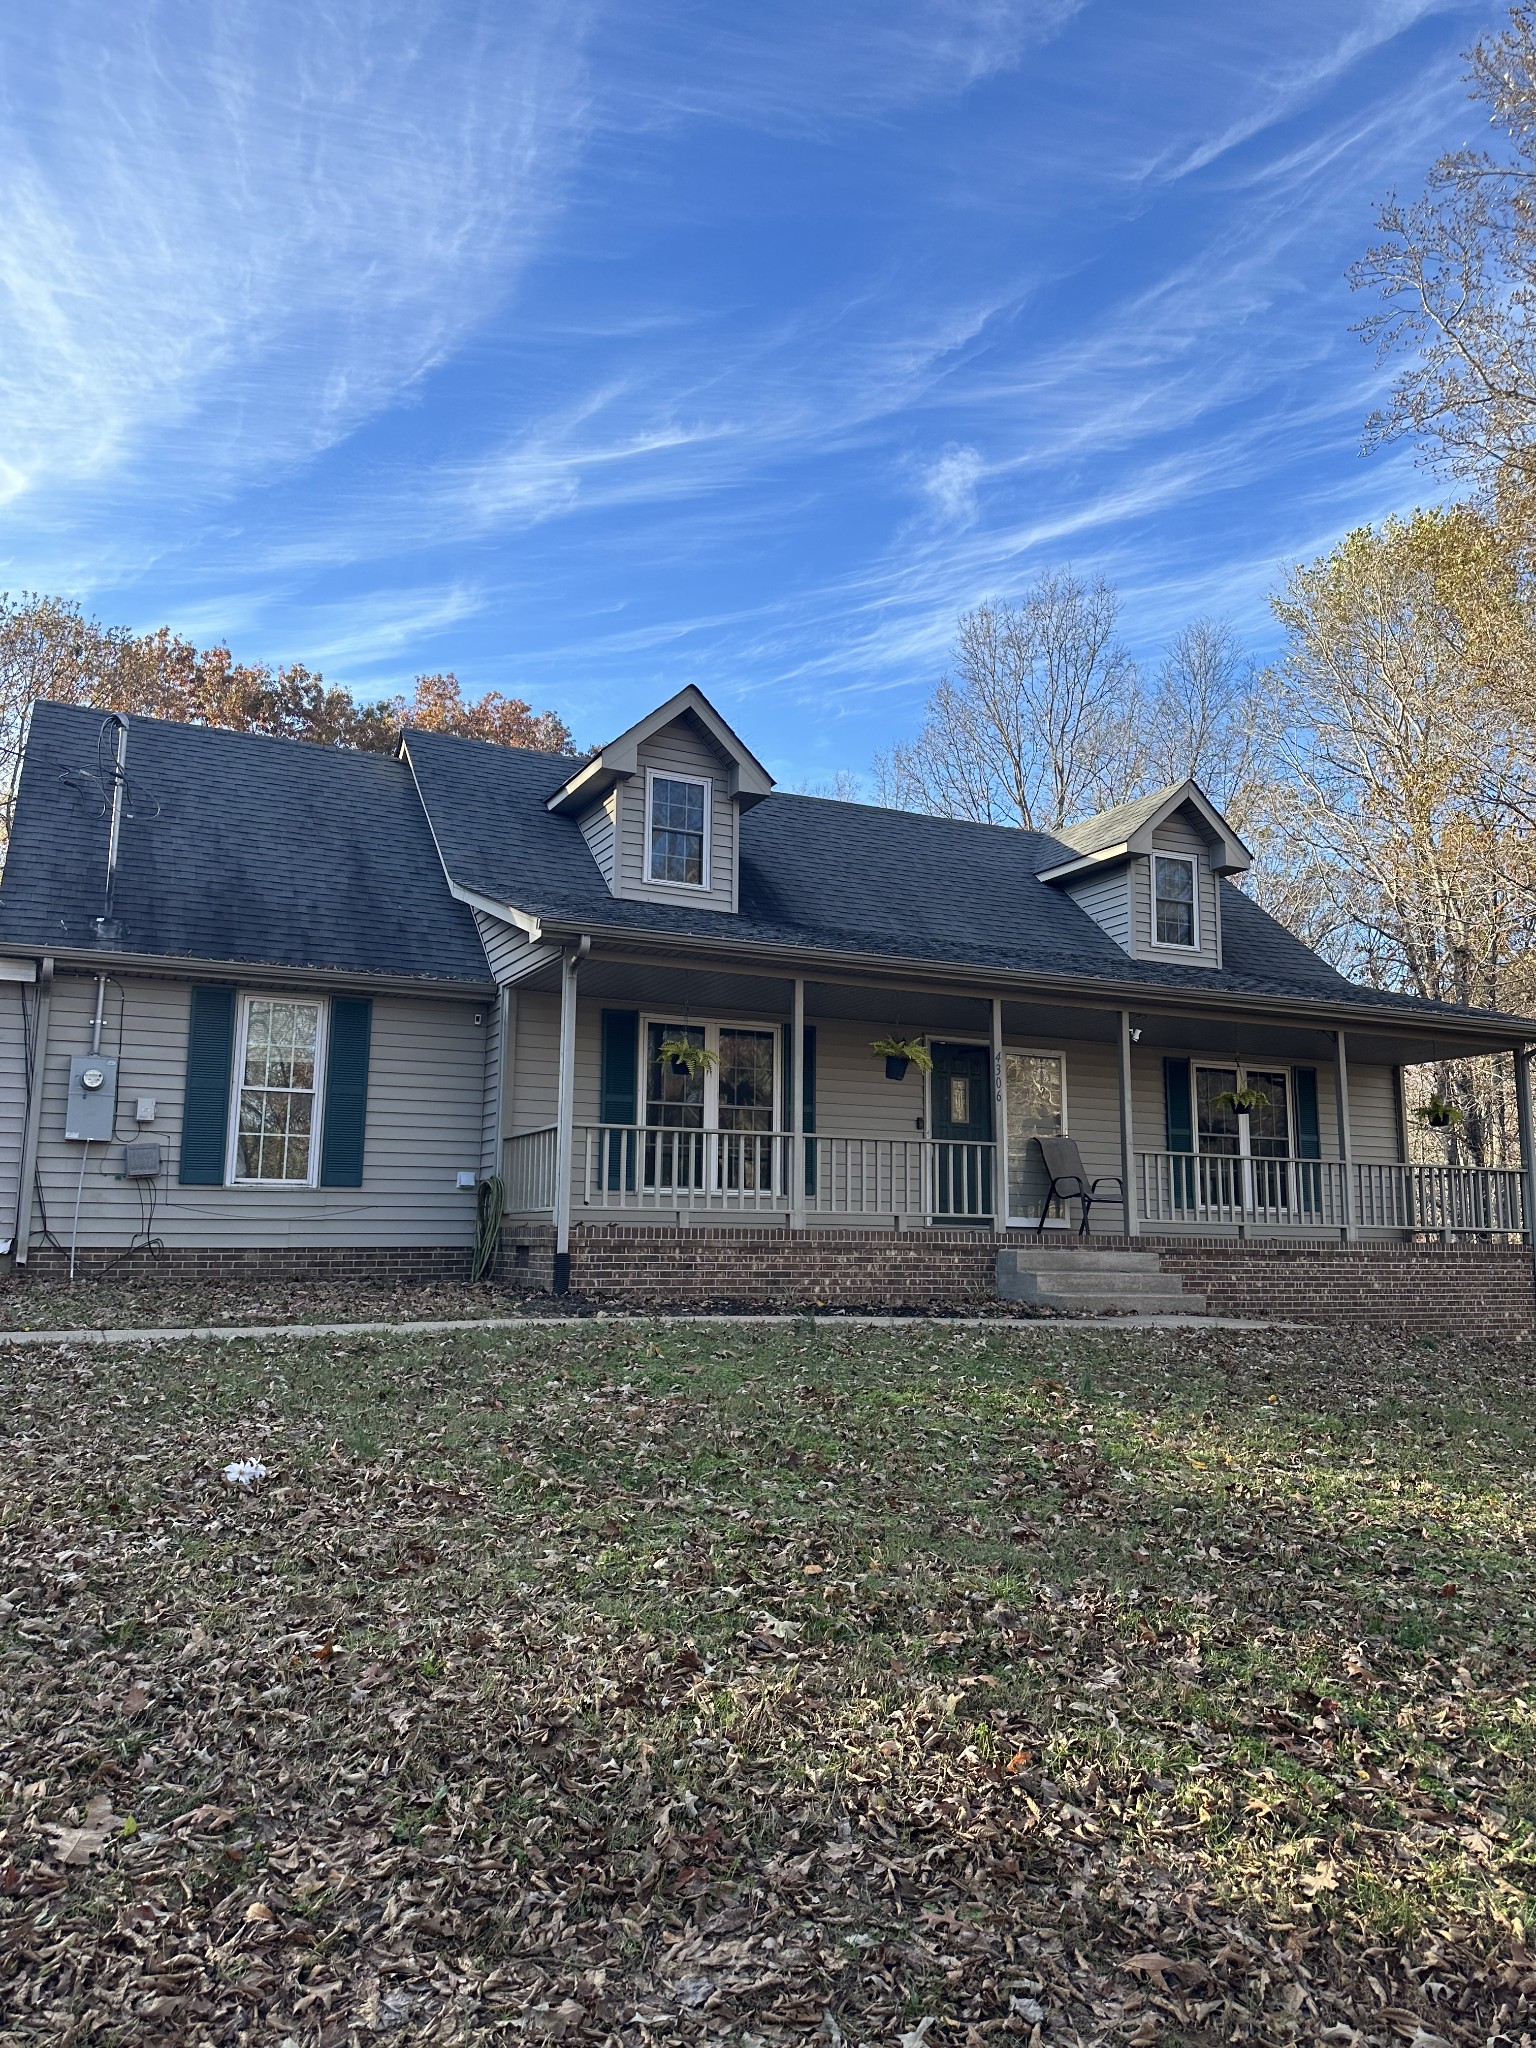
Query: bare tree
{"x": 1456, "y": 270}
{"x": 1033, "y": 726}
{"x": 1201, "y": 719}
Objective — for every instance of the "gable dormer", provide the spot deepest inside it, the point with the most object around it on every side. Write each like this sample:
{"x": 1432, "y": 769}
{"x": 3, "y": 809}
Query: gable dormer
{"x": 660, "y": 806}
{"x": 1148, "y": 874}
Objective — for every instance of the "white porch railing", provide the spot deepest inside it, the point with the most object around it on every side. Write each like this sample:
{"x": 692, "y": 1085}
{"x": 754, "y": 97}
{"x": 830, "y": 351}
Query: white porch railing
{"x": 642, "y": 1166}
{"x": 528, "y": 1168}
{"x": 1193, "y": 1190}
{"x": 1185, "y": 1190}
{"x": 638, "y": 1167}
{"x": 1448, "y": 1201}
{"x": 939, "y": 1177}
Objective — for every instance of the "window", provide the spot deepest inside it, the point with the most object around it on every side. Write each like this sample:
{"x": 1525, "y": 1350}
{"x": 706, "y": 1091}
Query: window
{"x": 278, "y": 1057}
{"x": 713, "y": 1128}
{"x": 679, "y": 830}
{"x": 1036, "y": 1104}
{"x": 1173, "y": 906}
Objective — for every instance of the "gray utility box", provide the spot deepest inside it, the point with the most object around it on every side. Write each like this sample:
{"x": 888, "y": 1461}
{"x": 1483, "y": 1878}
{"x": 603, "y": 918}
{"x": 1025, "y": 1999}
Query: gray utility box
{"x": 91, "y": 1112}
{"x": 141, "y": 1159}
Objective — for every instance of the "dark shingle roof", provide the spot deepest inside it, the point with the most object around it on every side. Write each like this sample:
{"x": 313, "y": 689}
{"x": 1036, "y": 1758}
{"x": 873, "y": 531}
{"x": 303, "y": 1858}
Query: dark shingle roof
{"x": 239, "y": 848}
{"x": 1113, "y": 827}
{"x": 843, "y": 878}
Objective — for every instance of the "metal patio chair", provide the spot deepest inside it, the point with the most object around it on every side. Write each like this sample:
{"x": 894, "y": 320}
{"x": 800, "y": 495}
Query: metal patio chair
{"x": 1070, "y": 1182}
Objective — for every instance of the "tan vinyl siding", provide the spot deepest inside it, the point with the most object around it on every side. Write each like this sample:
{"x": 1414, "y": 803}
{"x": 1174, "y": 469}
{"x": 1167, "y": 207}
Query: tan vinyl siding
{"x": 504, "y": 943}
{"x": 1177, "y": 835}
{"x": 13, "y": 1092}
{"x": 1373, "y": 1115}
{"x": 490, "y": 1101}
{"x": 597, "y": 828}
{"x": 853, "y": 1097}
{"x": 536, "y": 1074}
{"x": 1107, "y": 900}
{"x": 678, "y": 750}
{"x": 426, "y": 1086}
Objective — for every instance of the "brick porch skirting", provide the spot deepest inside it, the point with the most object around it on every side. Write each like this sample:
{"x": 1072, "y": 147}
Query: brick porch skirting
{"x": 772, "y": 1267}
{"x": 183, "y": 1265}
{"x": 1474, "y": 1289}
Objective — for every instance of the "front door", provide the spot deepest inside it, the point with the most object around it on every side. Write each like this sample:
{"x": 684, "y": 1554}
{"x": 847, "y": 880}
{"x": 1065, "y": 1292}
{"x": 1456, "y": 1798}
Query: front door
{"x": 960, "y": 1092}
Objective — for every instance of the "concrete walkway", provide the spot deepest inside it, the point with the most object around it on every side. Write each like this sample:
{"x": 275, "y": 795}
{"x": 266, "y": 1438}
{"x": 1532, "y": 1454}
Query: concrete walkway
{"x": 1051, "y": 1326}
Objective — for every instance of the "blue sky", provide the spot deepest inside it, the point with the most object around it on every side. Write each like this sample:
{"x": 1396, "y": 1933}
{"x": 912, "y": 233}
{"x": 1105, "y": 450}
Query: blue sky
{"x": 592, "y": 349}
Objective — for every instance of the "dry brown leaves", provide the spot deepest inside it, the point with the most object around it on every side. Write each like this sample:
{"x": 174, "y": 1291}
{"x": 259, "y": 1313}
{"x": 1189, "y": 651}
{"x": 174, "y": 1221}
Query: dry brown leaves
{"x": 630, "y": 1687}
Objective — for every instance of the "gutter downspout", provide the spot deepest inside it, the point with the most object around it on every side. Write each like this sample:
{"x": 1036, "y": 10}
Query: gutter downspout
{"x": 23, "y": 1239}
{"x": 565, "y": 1114}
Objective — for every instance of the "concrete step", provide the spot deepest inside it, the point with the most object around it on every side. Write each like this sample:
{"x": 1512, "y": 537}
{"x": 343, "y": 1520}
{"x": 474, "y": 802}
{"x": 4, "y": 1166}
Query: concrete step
{"x": 1063, "y": 1258}
{"x": 1094, "y": 1283}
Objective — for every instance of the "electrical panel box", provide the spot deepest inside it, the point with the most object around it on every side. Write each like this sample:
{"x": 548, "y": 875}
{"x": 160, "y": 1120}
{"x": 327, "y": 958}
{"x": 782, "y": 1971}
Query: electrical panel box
{"x": 141, "y": 1159}
{"x": 91, "y": 1112}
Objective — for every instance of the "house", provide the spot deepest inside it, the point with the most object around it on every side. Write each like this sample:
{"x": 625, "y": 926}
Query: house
{"x": 275, "y": 1007}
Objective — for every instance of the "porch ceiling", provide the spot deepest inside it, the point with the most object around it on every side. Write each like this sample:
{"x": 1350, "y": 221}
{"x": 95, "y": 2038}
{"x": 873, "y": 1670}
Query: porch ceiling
{"x": 653, "y": 983}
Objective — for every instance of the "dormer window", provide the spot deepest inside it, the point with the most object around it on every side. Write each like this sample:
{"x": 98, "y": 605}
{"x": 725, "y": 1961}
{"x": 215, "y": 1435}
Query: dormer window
{"x": 678, "y": 807}
{"x": 1174, "y": 900}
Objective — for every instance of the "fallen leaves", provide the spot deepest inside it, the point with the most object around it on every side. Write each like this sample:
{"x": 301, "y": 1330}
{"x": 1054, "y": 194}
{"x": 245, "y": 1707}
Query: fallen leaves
{"x": 77, "y": 1845}
{"x": 774, "y": 1686}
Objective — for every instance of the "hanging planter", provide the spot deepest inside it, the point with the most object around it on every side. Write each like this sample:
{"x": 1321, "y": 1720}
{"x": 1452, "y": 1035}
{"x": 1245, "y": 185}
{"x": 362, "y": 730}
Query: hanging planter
{"x": 1438, "y": 1114}
{"x": 1242, "y": 1101}
{"x": 688, "y": 1058}
{"x": 901, "y": 1053}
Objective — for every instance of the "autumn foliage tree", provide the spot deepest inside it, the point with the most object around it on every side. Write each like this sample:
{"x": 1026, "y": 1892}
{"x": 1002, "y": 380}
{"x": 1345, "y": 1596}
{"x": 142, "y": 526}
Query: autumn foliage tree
{"x": 49, "y": 648}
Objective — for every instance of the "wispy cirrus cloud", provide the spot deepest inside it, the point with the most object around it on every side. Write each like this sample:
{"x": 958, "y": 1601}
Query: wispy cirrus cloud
{"x": 258, "y": 223}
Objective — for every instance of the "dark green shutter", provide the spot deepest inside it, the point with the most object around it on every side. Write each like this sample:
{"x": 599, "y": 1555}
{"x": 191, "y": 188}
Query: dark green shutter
{"x": 1309, "y": 1137}
{"x": 1179, "y": 1127}
{"x": 808, "y": 1102}
{"x": 618, "y": 1092}
{"x": 346, "y": 1092}
{"x": 205, "y": 1105}
{"x": 1178, "y": 1106}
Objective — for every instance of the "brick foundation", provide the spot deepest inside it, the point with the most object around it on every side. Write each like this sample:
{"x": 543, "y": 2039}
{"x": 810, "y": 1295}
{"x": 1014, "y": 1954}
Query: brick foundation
{"x": 1478, "y": 1289}
{"x": 187, "y": 1265}
{"x": 1474, "y": 1289}
{"x": 775, "y": 1268}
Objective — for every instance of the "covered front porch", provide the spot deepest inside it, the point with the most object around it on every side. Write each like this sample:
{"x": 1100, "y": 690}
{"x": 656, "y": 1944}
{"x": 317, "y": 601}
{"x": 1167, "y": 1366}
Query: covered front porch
{"x": 785, "y": 1116}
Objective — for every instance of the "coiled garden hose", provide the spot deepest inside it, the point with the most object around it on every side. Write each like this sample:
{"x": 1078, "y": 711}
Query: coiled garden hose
{"x": 490, "y": 1207}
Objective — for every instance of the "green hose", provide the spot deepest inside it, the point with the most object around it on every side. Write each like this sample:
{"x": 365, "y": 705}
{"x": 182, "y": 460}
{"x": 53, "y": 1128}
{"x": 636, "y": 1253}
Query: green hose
{"x": 490, "y": 1207}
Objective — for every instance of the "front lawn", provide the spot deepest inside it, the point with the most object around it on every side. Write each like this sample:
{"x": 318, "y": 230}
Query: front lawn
{"x": 696, "y": 1683}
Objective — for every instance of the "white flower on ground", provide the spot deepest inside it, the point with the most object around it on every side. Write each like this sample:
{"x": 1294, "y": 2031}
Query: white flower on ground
{"x": 245, "y": 1471}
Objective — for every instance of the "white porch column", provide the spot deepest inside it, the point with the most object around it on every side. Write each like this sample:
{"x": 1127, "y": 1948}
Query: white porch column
{"x": 565, "y": 1114}
{"x": 795, "y": 1065}
{"x": 1527, "y": 1147}
{"x": 1346, "y": 1144}
{"x": 999, "y": 1124}
{"x": 1127, "y": 1133}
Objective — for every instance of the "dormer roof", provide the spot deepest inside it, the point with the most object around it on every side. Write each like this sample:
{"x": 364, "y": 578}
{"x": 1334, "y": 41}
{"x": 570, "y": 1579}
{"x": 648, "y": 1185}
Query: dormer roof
{"x": 1128, "y": 829}
{"x": 749, "y": 780}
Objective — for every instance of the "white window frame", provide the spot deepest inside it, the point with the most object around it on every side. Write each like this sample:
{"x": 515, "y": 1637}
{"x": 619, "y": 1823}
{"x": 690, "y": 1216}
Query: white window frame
{"x": 704, "y": 782}
{"x": 1186, "y": 860}
{"x": 232, "y": 1178}
{"x": 711, "y": 1028}
{"x": 1038, "y": 1052}
{"x": 1241, "y": 1067}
